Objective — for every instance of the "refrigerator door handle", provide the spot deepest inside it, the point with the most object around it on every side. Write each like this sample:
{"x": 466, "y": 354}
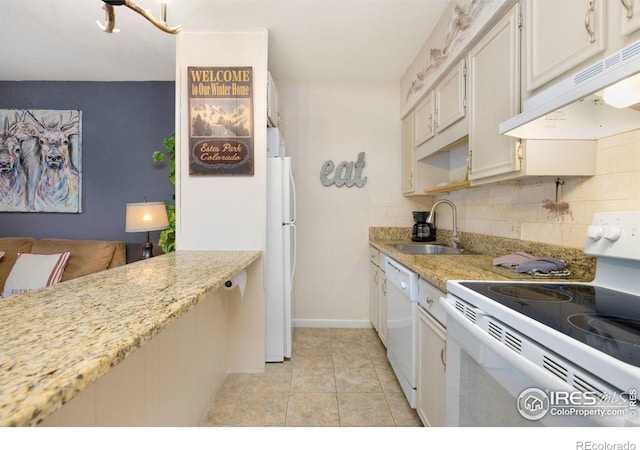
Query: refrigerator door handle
{"x": 295, "y": 251}
{"x": 293, "y": 191}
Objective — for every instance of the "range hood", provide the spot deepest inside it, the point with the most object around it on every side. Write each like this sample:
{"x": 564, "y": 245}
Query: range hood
{"x": 574, "y": 108}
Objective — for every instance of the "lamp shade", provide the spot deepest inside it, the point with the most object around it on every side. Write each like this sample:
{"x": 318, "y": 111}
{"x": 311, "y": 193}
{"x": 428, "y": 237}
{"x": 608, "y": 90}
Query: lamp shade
{"x": 147, "y": 216}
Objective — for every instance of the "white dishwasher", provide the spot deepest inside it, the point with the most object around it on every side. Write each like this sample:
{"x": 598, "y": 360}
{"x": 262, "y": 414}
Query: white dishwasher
{"x": 402, "y": 320}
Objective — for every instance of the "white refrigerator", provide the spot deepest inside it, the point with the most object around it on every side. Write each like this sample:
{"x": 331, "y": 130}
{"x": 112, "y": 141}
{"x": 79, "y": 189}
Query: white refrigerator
{"x": 280, "y": 251}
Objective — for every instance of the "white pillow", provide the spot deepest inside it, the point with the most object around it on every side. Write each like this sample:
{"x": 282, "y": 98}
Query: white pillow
{"x": 33, "y": 271}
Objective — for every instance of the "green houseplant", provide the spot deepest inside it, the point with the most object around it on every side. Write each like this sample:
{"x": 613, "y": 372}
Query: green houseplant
{"x": 167, "y": 239}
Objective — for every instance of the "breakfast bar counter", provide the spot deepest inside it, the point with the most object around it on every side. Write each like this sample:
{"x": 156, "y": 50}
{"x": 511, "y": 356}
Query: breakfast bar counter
{"x": 57, "y": 341}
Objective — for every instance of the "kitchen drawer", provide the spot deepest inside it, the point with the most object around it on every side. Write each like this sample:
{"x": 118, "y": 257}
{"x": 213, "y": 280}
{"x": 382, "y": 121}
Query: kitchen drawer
{"x": 381, "y": 263}
{"x": 374, "y": 256}
{"x": 429, "y": 300}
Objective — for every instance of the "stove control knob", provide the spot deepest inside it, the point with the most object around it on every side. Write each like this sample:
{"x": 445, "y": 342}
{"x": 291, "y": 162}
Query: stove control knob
{"x": 612, "y": 233}
{"x": 594, "y": 232}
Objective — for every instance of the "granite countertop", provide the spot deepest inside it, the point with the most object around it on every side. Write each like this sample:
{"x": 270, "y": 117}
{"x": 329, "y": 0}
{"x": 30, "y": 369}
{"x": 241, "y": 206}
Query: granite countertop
{"x": 438, "y": 269}
{"x": 54, "y": 342}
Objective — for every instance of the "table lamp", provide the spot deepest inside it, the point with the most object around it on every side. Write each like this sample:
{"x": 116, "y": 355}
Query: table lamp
{"x": 146, "y": 216}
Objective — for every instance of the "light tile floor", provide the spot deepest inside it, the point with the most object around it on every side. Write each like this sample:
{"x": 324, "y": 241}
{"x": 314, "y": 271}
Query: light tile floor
{"x": 335, "y": 377}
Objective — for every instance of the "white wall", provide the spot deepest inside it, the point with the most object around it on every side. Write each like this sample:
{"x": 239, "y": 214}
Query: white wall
{"x": 227, "y": 212}
{"x": 222, "y": 212}
{"x": 335, "y": 121}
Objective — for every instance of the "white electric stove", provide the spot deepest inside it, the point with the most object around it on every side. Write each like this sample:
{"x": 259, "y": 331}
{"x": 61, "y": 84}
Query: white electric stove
{"x": 551, "y": 353}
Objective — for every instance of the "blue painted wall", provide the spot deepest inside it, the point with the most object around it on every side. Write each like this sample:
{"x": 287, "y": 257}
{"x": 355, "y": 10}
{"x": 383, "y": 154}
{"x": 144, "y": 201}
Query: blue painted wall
{"x": 122, "y": 124}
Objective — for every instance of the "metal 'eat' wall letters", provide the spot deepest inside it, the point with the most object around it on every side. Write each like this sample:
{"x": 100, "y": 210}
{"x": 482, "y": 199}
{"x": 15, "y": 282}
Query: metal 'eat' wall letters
{"x": 344, "y": 174}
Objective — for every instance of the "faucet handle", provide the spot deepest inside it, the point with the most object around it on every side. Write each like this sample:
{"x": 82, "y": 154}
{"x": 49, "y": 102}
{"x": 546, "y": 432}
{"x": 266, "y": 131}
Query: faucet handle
{"x": 455, "y": 238}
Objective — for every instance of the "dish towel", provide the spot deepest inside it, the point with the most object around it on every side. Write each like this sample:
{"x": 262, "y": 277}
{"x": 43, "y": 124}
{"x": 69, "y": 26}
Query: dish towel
{"x": 544, "y": 267}
{"x": 513, "y": 260}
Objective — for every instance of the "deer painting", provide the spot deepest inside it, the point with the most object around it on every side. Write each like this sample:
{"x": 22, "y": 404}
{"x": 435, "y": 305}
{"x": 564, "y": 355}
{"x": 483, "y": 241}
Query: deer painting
{"x": 53, "y": 180}
{"x": 13, "y": 181}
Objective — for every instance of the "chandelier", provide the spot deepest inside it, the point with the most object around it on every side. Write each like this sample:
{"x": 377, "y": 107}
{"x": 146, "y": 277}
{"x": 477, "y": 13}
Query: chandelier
{"x": 110, "y": 16}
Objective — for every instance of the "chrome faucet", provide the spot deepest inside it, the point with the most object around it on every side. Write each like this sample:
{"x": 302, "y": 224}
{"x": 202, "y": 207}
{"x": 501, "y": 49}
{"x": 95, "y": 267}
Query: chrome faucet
{"x": 455, "y": 238}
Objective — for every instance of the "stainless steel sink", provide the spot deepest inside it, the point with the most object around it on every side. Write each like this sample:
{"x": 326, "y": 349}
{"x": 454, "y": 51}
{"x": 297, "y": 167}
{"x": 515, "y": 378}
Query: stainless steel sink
{"x": 431, "y": 249}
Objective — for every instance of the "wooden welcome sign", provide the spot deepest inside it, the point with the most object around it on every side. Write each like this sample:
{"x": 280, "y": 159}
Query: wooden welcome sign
{"x": 220, "y": 120}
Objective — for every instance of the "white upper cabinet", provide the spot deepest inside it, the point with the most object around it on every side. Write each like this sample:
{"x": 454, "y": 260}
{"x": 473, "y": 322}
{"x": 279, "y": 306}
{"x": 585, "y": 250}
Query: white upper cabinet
{"x": 457, "y": 143}
{"x": 442, "y": 106}
{"x": 565, "y": 37}
{"x": 425, "y": 126}
{"x": 408, "y": 155}
{"x": 628, "y": 16}
{"x": 441, "y": 124}
{"x": 451, "y": 97}
{"x": 560, "y": 35}
{"x": 494, "y": 83}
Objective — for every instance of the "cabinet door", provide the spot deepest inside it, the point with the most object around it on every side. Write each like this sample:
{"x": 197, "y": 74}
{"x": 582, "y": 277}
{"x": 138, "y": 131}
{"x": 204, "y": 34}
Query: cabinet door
{"x": 629, "y": 16}
{"x": 560, "y": 35}
{"x": 431, "y": 371}
{"x": 450, "y": 98}
{"x": 424, "y": 119}
{"x": 374, "y": 289}
{"x": 408, "y": 159}
{"x": 494, "y": 82}
{"x": 382, "y": 299}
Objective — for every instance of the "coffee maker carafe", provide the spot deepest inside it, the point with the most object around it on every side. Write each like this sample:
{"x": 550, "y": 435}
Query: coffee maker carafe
{"x": 422, "y": 230}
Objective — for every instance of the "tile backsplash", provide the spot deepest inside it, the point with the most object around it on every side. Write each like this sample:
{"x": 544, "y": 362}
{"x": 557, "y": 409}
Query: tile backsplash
{"x": 515, "y": 210}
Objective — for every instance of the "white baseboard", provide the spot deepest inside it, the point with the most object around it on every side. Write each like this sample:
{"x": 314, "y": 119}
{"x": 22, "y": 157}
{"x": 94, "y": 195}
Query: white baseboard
{"x": 330, "y": 323}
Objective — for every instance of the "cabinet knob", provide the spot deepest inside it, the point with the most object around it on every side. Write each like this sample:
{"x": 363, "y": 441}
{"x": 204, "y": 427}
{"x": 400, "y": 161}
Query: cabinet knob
{"x": 430, "y": 300}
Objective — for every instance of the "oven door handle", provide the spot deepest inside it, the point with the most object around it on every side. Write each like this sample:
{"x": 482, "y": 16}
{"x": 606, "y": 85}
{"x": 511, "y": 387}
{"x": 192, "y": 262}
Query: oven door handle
{"x": 513, "y": 359}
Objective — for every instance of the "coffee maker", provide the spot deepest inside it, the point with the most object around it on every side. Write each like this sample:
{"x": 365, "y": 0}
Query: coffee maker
{"x": 422, "y": 230}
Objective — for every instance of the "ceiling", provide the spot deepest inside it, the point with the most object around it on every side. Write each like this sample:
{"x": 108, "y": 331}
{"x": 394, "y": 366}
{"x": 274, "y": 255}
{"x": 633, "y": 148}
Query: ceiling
{"x": 373, "y": 40}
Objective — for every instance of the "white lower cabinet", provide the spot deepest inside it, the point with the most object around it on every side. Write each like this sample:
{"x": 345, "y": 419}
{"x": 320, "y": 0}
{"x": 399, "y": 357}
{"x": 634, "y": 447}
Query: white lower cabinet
{"x": 431, "y": 370}
{"x": 378, "y": 293}
{"x": 374, "y": 288}
{"x": 382, "y": 307}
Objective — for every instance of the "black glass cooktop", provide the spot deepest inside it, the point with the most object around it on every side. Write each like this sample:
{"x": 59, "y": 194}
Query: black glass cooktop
{"x": 605, "y": 319}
